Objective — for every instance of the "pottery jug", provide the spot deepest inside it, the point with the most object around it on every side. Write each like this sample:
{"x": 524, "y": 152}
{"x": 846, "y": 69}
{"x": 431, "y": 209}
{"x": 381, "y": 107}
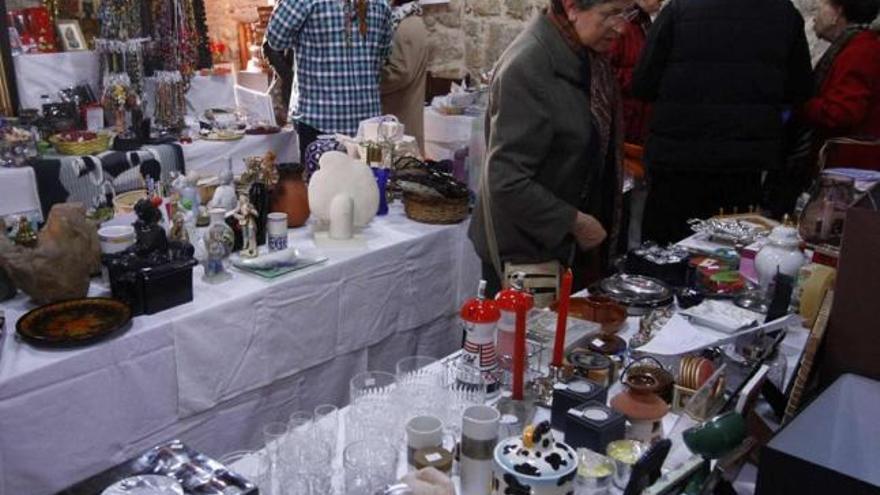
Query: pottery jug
{"x": 535, "y": 463}
{"x": 782, "y": 252}
{"x": 291, "y": 196}
{"x": 821, "y": 222}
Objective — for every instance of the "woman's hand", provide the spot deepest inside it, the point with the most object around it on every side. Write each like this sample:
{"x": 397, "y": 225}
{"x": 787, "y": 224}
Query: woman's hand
{"x": 588, "y": 232}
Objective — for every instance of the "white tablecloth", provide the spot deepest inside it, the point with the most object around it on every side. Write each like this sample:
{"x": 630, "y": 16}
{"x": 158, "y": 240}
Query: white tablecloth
{"x": 210, "y": 157}
{"x": 19, "y": 194}
{"x": 243, "y": 353}
{"x": 48, "y": 73}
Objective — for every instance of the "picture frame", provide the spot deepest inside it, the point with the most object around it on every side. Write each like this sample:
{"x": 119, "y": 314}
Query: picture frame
{"x": 71, "y": 35}
{"x": 805, "y": 367}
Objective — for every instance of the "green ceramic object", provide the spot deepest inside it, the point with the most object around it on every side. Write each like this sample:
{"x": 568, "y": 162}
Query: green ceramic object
{"x": 717, "y": 436}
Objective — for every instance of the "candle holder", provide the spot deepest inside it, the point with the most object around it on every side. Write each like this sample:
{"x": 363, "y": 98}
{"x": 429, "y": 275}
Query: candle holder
{"x": 543, "y": 387}
{"x": 516, "y": 414}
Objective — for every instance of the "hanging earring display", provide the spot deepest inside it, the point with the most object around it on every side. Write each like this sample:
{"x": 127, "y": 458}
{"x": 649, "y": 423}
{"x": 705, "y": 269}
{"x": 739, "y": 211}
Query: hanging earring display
{"x": 347, "y": 13}
{"x": 176, "y": 48}
{"x": 170, "y": 99}
{"x": 121, "y": 41}
{"x": 362, "y": 17}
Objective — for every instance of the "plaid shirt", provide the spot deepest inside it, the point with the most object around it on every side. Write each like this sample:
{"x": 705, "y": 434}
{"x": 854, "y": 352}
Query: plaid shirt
{"x": 336, "y": 83}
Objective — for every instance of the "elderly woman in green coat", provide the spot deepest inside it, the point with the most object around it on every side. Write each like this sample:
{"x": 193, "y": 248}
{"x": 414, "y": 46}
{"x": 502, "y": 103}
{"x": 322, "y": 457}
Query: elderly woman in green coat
{"x": 550, "y": 189}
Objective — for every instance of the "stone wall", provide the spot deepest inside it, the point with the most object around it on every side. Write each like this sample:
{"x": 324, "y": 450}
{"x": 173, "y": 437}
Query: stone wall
{"x": 467, "y": 36}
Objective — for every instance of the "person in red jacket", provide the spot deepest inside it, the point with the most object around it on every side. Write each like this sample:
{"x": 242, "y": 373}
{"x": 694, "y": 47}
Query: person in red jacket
{"x": 623, "y": 56}
{"x": 847, "y": 104}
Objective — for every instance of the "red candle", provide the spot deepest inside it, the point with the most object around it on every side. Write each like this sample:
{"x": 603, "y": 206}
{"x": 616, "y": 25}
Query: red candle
{"x": 519, "y": 352}
{"x": 562, "y": 317}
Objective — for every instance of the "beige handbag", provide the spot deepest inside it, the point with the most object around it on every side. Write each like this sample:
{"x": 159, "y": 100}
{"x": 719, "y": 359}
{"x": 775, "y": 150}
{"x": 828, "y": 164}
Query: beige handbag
{"x": 540, "y": 279}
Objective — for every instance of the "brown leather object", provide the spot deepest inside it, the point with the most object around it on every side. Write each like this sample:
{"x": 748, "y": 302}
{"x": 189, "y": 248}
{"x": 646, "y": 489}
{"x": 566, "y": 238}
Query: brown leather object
{"x": 851, "y": 341}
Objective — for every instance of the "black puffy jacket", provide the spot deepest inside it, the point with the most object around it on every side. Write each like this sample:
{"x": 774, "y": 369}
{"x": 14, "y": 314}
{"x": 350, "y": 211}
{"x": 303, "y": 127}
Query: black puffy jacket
{"x": 721, "y": 73}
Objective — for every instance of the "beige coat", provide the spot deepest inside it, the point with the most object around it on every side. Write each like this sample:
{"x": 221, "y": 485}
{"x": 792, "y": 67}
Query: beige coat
{"x": 403, "y": 77}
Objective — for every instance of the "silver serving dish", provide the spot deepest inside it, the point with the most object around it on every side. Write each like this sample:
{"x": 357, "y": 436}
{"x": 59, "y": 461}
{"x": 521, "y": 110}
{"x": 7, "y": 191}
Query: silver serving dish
{"x": 729, "y": 230}
{"x": 145, "y": 484}
{"x": 638, "y": 293}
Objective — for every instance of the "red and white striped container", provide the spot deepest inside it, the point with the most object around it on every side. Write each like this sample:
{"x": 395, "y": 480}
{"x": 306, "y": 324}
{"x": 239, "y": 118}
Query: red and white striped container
{"x": 479, "y": 362}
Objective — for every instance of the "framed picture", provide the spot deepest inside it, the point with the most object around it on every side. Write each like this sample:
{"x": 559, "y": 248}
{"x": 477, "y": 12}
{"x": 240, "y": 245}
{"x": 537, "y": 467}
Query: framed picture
{"x": 802, "y": 377}
{"x": 72, "y": 38}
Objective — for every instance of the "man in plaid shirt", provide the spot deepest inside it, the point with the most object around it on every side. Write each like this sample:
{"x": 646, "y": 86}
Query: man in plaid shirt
{"x": 337, "y": 70}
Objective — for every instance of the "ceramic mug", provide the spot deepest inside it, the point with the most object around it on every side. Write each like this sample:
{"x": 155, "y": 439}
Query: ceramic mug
{"x": 422, "y": 432}
{"x": 479, "y": 435}
{"x": 276, "y": 228}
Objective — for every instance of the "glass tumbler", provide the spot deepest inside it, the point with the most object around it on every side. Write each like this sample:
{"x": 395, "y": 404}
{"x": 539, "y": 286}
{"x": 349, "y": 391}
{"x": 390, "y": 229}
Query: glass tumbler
{"x": 370, "y": 384}
{"x": 418, "y": 369}
{"x": 306, "y": 468}
{"x": 327, "y": 425}
{"x": 369, "y": 465}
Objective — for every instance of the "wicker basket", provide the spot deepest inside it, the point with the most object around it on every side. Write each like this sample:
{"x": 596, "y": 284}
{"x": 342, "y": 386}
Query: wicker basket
{"x": 80, "y": 148}
{"x": 435, "y": 210}
{"x": 124, "y": 203}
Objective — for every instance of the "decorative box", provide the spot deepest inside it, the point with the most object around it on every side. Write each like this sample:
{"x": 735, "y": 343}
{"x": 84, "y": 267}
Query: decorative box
{"x": 197, "y": 473}
{"x": 572, "y": 394}
{"x": 667, "y": 264}
{"x": 151, "y": 289}
{"x": 593, "y": 425}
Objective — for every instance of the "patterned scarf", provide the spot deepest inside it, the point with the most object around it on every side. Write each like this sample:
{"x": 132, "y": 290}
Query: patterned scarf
{"x": 606, "y": 107}
{"x": 401, "y": 12}
{"x": 822, "y": 69}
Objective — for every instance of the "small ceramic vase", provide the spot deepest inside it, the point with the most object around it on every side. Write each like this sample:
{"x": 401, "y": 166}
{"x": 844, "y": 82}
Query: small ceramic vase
{"x": 535, "y": 464}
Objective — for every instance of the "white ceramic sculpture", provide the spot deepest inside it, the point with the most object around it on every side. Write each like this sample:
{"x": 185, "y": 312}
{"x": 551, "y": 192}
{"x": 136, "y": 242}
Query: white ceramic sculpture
{"x": 340, "y": 174}
{"x": 341, "y": 217}
{"x": 224, "y": 196}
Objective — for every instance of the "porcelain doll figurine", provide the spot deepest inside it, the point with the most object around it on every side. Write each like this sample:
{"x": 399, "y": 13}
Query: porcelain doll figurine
{"x": 246, "y": 215}
{"x": 217, "y": 243}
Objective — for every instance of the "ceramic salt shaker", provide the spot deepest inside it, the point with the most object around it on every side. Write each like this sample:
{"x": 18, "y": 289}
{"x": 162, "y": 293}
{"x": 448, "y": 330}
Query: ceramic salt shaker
{"x": 781, "y": 252}
{"x": 535, "y": 463}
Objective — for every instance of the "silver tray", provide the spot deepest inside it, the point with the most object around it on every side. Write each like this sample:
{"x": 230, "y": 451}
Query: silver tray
{"x": 637, "y": 292}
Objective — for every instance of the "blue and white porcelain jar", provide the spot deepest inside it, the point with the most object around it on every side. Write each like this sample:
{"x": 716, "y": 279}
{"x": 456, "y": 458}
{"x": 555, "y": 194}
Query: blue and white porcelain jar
{"x": 534, "y": 464}
{"x": 314, "y": 151}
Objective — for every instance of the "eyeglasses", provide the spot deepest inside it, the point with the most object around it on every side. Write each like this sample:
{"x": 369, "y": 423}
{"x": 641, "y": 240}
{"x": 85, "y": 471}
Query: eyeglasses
{"x": 614, "y": 20}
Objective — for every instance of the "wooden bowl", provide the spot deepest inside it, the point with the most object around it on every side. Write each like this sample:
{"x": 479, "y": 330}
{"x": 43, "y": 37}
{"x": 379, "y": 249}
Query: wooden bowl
{"x": 609, "y": 314}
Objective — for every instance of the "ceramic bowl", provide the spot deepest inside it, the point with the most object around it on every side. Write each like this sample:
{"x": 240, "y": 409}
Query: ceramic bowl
{"x": 115, "y": 239}
{"x": 717, "y": 436}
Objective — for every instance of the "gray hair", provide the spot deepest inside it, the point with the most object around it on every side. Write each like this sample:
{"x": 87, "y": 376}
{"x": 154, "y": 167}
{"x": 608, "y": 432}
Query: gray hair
{"x": 557, "y": 7}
